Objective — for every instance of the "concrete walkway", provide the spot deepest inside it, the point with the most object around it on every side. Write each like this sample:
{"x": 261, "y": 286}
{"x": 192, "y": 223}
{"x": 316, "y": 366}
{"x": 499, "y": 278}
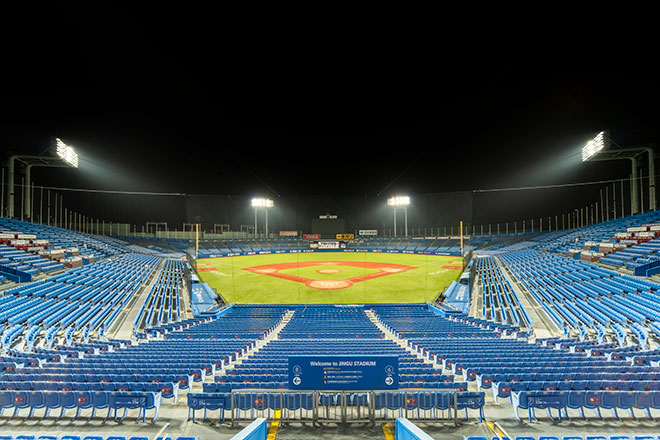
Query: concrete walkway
{"x": 124, "y": 327}
{"x": 403, "y": 343}
{"x": 261, "y": 342}
{"x": 542, "y": 324}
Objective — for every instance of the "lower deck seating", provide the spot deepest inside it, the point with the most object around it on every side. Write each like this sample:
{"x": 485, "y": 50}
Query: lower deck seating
{"x": 376, "y": 404}
{"x": 583, "y": 400}
{"x": 622, "y": 436}
{"x": 88, "y": 437}
{"x": 80, "y": 400}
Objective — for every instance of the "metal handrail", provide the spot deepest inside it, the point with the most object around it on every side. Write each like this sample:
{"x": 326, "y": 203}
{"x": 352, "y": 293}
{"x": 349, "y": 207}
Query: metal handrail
{"x": 344, "y": 403}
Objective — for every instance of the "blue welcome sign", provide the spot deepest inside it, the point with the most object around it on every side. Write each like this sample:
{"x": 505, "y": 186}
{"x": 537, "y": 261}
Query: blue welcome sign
{"x": 343, "y": 372}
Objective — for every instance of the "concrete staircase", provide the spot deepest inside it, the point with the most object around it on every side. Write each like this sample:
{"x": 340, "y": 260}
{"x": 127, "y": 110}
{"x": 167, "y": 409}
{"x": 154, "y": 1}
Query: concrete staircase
{"x": 403, "y": 343}
{"x": 261, "y": 342}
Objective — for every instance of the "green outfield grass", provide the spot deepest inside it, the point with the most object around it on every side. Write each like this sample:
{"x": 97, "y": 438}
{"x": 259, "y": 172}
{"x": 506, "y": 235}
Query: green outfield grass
{"x": 296, "y": 278}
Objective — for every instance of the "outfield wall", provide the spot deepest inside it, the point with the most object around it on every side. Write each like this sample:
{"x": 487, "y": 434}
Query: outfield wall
{"x": 457, "y": 253}
{"x": 359, "y": 277}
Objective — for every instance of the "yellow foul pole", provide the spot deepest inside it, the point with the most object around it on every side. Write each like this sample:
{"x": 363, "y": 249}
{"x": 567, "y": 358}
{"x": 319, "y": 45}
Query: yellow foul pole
{"x": 461, "y": 238}
{"x": 196, "y": 240}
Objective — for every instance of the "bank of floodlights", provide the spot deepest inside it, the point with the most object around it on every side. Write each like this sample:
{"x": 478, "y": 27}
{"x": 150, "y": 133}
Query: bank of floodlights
{"x": 262, "y": 203}
{"x": 398, "y": 201}
{"x": 66, "y": 153}
{"x": 595, "y": 146}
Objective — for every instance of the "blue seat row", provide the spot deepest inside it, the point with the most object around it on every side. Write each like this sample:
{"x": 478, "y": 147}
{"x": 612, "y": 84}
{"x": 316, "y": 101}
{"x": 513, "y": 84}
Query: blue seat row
{"x": 393, "y": 401}
{"x": 504, "y": 389}
{"x": 167, "y": 389}
{"x": 80, "y": 400}
{"x": 571, "y": 437}
{"x": 88, "y": 437}
{"x": 581, "y": 400}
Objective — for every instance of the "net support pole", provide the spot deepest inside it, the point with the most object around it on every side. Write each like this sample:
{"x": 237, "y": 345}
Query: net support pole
{"x": 607, "y": 203}
{"x": 623, "y": 205}
{"x": 634, "y": 190}
{"x": 652, "y": 201}
{"x": 641, "y": 192}
{"x": 31, "y": 202}
{"x": 2, "y": 194}
{"x": 196, "y": 241}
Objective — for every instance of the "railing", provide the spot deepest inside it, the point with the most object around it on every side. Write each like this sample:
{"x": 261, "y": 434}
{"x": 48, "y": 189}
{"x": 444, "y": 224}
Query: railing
{"x": 345, "y": 407}
{"x": 340, "y": 406}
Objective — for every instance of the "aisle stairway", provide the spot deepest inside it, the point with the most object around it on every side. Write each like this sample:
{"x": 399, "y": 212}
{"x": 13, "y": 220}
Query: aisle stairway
{"x": 261, "y": 343}
{"x": 542, "y": 324}
{"x": 403, "y": 343}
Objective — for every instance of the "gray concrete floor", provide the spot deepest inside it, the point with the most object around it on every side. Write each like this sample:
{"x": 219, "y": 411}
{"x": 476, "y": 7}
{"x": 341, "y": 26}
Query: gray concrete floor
{"x": 174, "y": 417}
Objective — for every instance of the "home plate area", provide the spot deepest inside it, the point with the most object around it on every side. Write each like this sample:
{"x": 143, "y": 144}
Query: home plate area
{"x": 380, "y": 270}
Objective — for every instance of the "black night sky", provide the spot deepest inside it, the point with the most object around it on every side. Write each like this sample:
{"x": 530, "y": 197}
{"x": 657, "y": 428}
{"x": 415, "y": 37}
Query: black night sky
{"x": 192, "y": 109}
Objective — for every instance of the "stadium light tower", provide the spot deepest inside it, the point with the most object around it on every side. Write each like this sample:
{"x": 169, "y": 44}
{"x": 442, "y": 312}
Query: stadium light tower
{"x": 400, "y": 201}
{"x": 599, "y": 148}
{"x": 261, "y": 203}
{"x": 62, "y": 155}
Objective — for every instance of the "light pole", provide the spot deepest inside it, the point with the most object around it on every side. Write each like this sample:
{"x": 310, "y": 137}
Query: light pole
{"x": 265, "y": 204}
{"x": 395, "y": 202}
{"x": 598, "y": 149}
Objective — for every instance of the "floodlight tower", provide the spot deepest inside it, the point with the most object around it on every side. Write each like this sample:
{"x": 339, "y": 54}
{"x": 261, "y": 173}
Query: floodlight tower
{"x": 599, "y": 149}
{"x": 261, "y": 203}
{"x": 64, "y": 156}
{"x": 398, "y": 201}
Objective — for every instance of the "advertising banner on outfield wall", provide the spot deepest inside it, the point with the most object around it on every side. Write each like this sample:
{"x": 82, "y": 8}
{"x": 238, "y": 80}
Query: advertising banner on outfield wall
{"x": 288, "y": 233}
{"x": 311, "y": 236}
{"x": 328, "y": 245}
{"x": 368, "y": 232}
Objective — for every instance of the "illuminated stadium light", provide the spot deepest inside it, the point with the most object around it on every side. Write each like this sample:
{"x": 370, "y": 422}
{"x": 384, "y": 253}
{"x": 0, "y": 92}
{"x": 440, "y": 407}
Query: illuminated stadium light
{"x": 594, "y": 146}
{"x": 262, "y": 203}
{"x": 403, "y": 202}
{"x": 398, "y": 201}
{"x": 66, "y": 153}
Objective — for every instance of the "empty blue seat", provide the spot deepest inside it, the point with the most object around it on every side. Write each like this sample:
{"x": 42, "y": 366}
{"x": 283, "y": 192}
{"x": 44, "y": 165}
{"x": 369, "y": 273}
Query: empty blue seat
{"x": 610, "y": 400}
{"x": 51, "y": 400}
{"x": 99, "y": 400}
{"x": 208, "y": 401}
{"x": 644, "y": 400}
{"x": 143, "y": 401}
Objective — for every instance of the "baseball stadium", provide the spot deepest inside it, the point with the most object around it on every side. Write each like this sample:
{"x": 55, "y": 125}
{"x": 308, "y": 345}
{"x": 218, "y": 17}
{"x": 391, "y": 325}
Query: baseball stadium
{"x": 188, "y": 256}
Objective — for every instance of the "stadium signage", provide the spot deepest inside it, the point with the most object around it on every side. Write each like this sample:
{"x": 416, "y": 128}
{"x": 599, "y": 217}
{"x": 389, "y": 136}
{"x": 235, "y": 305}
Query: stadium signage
{"x": 368, "y": 232}
{"x": 311, "y": 236}
{"x": 313, "y": 247}
{"x": 341, "y": 372}
{"x": 345, "y": 236}
{"x": 288, "y": 233}
{"x": 328, "y": 245}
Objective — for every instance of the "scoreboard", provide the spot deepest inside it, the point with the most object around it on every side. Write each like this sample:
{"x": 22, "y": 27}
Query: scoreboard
{"x": 328, "y": 226}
